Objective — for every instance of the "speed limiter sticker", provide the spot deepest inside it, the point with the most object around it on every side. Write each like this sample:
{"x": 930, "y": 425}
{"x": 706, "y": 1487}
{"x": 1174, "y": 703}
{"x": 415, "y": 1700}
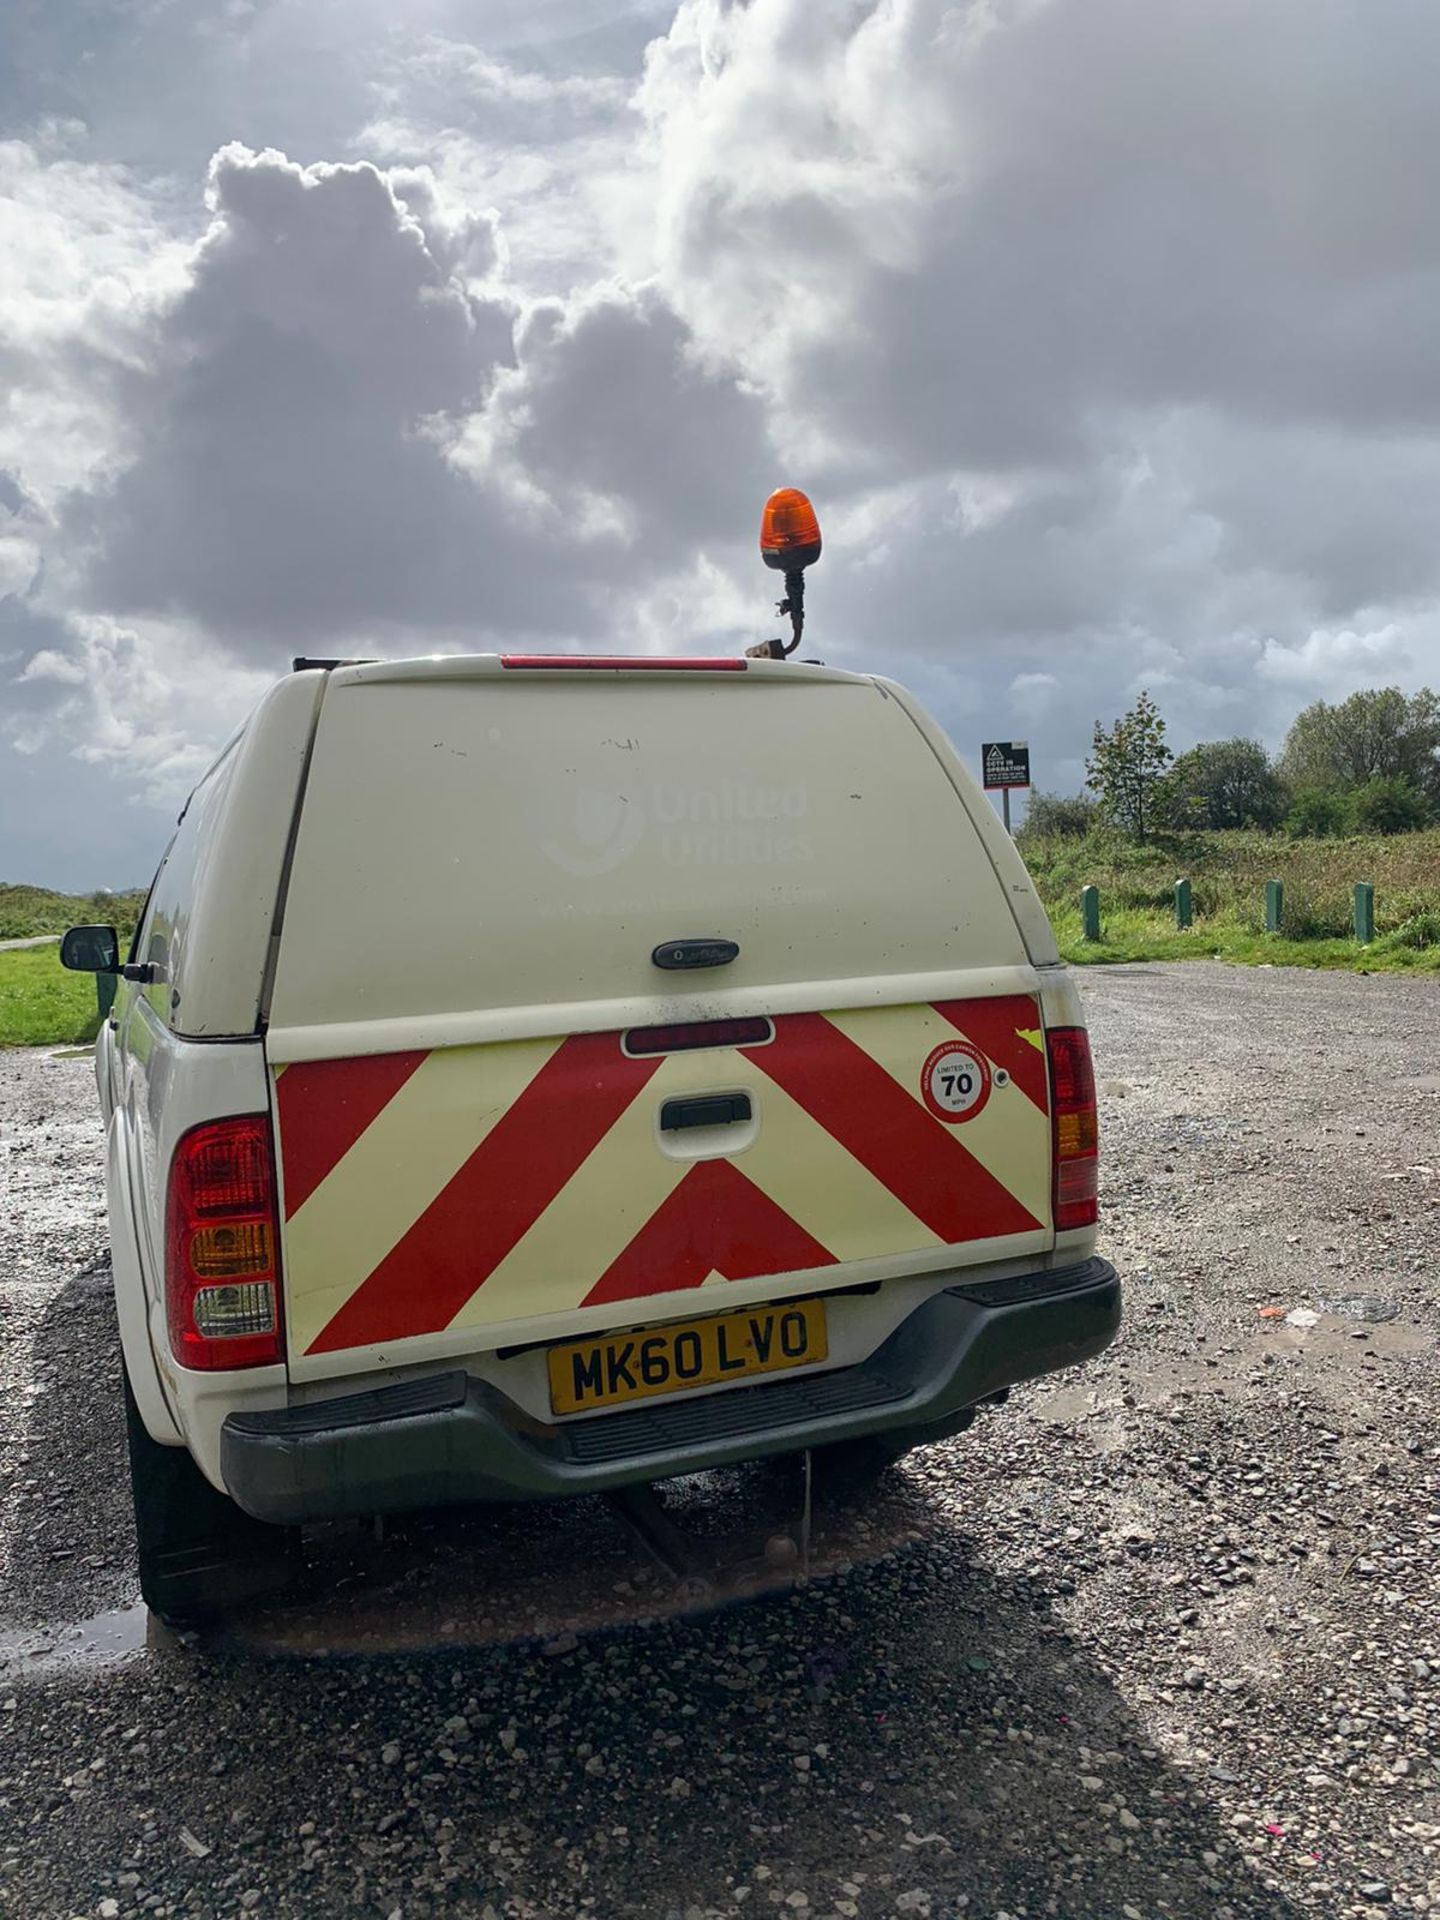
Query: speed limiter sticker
{"x": 955, "y": 1081}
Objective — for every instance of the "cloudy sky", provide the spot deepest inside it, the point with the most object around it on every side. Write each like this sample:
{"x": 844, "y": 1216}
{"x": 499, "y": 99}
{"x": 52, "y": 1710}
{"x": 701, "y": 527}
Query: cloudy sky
{"x": 1105, "y": 335}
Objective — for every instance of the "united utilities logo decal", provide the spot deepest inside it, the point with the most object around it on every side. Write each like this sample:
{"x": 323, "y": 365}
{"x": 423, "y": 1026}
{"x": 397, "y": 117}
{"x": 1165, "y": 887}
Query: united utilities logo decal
{"x": 593, "y": 831}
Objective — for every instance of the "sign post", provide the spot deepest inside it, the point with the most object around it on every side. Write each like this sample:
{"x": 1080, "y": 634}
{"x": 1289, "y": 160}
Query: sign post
{"x": 1005, "y": 764}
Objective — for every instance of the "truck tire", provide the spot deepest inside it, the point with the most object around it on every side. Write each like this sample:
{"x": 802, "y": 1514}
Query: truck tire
{"x": 199, "y": 1554}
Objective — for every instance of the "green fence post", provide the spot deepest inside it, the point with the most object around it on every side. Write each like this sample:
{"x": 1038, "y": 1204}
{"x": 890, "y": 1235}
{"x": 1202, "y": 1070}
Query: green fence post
{"x": 1274, "y": 905}
{"x": 105, "y": 984}
{"x": 1182, "y": 903}
{"x": 1090, "y": 911}
{"x": 1364, "y": 912}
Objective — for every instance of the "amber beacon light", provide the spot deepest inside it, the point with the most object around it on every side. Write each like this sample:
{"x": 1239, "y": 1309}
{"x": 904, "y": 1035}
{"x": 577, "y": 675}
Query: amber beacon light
{"x": 790, "y": 542}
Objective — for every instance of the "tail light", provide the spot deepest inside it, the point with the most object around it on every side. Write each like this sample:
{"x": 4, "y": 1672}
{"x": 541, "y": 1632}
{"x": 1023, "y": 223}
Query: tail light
{"x": 222, "y": 1247}
{"x": 1076, "y": 1129}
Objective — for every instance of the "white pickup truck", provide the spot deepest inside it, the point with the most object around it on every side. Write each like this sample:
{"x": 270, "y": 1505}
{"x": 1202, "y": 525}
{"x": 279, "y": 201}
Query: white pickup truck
{"x": 540, "y": 1074}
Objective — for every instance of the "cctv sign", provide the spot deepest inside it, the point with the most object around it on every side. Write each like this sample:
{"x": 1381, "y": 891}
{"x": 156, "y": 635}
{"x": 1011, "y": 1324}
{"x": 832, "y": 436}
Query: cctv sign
{"x": 1005, "y": 763}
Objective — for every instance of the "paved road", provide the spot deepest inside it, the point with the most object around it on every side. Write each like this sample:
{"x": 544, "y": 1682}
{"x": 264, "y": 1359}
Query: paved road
{"x": 35, "y": 940}
{"x": 1156, "y": 1639}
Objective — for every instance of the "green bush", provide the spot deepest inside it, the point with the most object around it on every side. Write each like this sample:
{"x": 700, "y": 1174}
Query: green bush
{"x": 1063, "y": 816}
{"x": 1389, "y": 804}
{"x": 1308, "y": 915}
{"x": 1319, "y": 813}
{"x": 1416, "y": 935}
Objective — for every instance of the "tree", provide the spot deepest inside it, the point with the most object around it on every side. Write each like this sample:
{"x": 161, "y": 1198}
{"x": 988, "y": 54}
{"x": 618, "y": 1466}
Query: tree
{"x": 1126, "y": 766}
{"x": 1375, "y": 735}
{"x": 1224, "y": 783}
{"x": 1058, "y": 816}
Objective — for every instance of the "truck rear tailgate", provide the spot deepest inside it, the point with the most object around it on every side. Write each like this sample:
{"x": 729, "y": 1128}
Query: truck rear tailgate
{"x": 473, "y": 1190}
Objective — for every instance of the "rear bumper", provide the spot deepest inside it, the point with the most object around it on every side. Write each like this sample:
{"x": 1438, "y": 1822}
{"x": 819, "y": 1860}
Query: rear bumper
{"x": 449, "y": 1438}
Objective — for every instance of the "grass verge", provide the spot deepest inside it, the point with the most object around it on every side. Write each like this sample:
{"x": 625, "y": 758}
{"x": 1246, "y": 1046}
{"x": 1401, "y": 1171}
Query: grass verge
{"x": 1136, "y": 935}
{"x": 1227, "y": 873}
{"x": 41, "y": 1005}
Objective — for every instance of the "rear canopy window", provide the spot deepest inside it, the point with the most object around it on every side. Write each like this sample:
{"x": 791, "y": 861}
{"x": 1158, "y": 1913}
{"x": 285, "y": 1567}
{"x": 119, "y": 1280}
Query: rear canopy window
{"x": 492, "y": 843}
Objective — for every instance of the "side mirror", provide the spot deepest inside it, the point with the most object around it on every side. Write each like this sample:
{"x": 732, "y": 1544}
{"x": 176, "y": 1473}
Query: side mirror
{"x": 91, "y": 950}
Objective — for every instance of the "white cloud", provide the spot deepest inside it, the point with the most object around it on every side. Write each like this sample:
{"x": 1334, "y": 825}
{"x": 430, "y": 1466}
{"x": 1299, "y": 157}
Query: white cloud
{"x": 139, "y": 699}
{"x": 47, "y": 664}
{"x": 88, "y": 257}
{"x": 532, "y": 106}
{"x": 82, "y": 244}
{"x": 1337, "y": 664}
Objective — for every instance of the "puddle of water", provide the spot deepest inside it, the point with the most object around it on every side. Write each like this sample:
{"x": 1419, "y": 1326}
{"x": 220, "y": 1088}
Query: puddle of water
{"x": 1367, "y": 1307}
{"x": 107, "y": 1637}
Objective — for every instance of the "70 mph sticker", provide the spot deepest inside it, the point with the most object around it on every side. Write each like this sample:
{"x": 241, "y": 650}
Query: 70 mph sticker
{"x": 955, "y": 1081}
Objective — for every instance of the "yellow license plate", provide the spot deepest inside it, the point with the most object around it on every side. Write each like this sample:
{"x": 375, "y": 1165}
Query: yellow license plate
{"x": 694, "y": 1353}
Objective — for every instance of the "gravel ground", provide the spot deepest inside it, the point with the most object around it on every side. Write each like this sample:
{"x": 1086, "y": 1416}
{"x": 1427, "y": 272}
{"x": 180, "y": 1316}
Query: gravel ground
{"x": 1160, "y": 1637}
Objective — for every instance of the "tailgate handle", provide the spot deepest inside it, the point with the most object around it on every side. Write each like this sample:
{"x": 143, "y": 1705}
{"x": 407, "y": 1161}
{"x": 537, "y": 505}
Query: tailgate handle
{"x": 677, "y": 955}
{"x": 711, "y": 1110}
